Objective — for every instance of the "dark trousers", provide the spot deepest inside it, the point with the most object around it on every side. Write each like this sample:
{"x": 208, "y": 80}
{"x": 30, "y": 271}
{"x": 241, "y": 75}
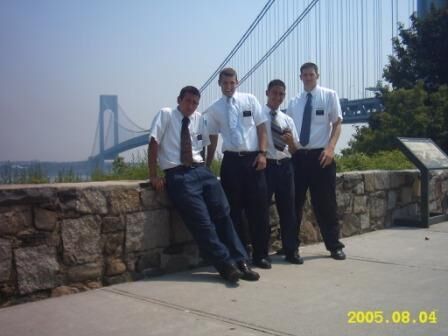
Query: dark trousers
{"x": 308, "y": 174}
{"x": 200, "y": 200}
{"x": 280, "y": 181}
{"x": 246, "y": 189}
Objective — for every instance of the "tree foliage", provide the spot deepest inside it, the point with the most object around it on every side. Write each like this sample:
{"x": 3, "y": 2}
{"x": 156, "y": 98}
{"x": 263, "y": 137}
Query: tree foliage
{"x": 418, "y": 105}
{"x": 420, "y": 52}
{"x": 409, "y": 113}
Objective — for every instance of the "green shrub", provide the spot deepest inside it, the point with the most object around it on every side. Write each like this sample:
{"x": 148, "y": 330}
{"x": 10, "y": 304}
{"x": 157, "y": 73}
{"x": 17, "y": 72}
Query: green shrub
{"x": 387, "y": 160}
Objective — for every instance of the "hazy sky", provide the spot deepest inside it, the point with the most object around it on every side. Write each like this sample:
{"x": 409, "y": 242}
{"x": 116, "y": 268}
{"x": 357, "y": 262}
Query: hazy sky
{"x": 58, "y": 56}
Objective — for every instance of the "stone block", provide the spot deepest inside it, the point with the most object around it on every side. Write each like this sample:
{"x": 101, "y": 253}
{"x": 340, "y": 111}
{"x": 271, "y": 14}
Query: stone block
{"x": 113, "y": 224}
{"x": 397, "y": 179}
{"x": 377, "y": 205}
{"x": 360, "y": 204}
{"x": 84, "y": 201}
{"x": 113, "y": 280}
{"x": 92, "y": 271}
{"x": 148, "y": 260}
{"x": 115, "y": 266}
{"x": 391, "y": 199}
{"x": 354, "y": 183}
{"x": 308, "y": 232}
{"x": 45, "y": 219}
{"x": 81, "y": 240}
{"x": 179, "y": 230}
{"x": 147, "y": 230}
{"x": 406, "y": 195}
{"x": 123, "y": 201}
{"x": 351, "y": 225}
{"x": 14, "y": 219}
{"x": 5, "y": 259}
{"x": 37, "y": 268}
{"x": 377, "y": 180}
{"x": 113, "y": 244}
{"x": 186, "y": 258}
{"x": 364, "y": 220}
{"x": 64, "y": 290}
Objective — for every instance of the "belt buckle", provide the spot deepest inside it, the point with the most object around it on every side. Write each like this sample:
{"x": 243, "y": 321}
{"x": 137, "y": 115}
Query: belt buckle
{"x": 278, "y": 162}
{"x": 241, "y": 154}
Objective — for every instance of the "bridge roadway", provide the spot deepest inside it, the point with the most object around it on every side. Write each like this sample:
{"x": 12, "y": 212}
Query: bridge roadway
{"x": 392, "y": 270}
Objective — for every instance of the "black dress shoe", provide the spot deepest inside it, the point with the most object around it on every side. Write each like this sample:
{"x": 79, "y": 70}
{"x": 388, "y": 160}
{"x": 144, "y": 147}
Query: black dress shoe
{"x": 294, "y": 258}
{"x": 262, "y": 263}
{"x": 338, "y": 254}
{"x": 230, "y": 273}
{"x": 248, "y": 274}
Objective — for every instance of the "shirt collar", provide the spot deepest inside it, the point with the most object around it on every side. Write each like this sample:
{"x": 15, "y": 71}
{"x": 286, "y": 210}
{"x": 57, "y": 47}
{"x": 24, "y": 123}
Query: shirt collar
{"x": 313, "y": 92}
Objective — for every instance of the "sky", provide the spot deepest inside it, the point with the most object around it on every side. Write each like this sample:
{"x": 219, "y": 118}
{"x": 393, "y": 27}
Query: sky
{"x": 57, "y": 57}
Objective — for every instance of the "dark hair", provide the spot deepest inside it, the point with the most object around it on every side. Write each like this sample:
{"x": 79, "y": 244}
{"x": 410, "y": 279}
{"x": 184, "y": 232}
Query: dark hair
{"x": 309, "y": 65}
{"x": 189, "y": 89}
{"x": 228, "y": 72}
{"x": 276, "y": 82}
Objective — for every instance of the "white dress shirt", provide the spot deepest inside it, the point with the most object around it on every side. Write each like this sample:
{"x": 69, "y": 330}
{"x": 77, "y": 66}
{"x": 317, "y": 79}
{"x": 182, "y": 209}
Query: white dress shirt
{"x": 284, "y": 121}
{"x": 325, "y": 111}
{"x": 249, "y": 117}
{"x": 166, "y": 128}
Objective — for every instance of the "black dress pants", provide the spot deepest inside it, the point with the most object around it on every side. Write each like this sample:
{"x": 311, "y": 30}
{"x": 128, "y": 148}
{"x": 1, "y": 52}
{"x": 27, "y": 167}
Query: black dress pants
{"x": 308, "y": 174}
{"x": 246, "y": 189}
{"x": 280, "y": 180}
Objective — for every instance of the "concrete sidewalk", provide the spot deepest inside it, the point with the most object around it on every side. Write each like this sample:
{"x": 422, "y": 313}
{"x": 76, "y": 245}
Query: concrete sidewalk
{"x": 393, "y": 270}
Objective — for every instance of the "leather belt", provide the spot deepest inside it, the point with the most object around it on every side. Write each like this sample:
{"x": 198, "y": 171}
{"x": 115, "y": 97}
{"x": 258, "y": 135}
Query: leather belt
{"x": 234, "y": 154}
{"x": 278, "y": 162}
{"x": 183, "y": 168}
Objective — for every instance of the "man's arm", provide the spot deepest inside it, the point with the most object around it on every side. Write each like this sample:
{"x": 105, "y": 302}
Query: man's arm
{"x": 260, "y": 160}
{"x": 211, "y": 149}
{"x": 158, "y": 182}
{"x": 327, "y": 155}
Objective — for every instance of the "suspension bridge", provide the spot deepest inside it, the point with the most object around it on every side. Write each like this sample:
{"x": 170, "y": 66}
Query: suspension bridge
{"x": 350, "y": 41}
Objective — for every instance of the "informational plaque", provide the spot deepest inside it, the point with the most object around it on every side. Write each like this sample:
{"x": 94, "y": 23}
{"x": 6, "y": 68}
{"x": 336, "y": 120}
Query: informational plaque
{"x": 427, "y": 156}
{"x": 427, "y": 152}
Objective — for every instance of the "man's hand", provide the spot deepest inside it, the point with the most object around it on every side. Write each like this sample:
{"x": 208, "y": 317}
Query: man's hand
{"x": 326, "y": 157}
{"x": 260, "y": 162}
{"x": 158, "y": 183}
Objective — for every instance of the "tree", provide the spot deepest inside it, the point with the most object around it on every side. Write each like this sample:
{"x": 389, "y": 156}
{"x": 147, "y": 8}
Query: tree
{"x": 418, "y": 105}
{"x": 420, "y": 52}
{"x": 411, "y": 112}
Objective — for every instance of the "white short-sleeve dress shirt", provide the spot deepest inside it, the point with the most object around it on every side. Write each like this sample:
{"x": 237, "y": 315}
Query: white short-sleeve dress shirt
{"x": 166, "y": 128}
{"x": 249, "y": 117}
{"x": 285, "y": 122}
{"x": 326, "y": 110}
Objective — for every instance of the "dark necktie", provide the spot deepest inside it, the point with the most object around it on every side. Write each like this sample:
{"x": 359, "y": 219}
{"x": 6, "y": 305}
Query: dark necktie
{"x": 276, "y": 132}
{"x": 306, "y": 121}
{"x": 186, "y": 155}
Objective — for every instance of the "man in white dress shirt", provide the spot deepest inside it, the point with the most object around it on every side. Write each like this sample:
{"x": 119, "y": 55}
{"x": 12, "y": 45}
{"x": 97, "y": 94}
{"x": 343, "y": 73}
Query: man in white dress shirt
{"x": 282, "y": 139}
{"x": 177, "y": 137}
{"x": 238, "y": 118}
{"x": 317, "y": 115}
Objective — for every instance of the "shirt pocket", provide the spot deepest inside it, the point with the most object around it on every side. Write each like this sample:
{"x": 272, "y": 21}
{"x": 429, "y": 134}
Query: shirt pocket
{"x": 248, "y": 118}
{"x": 198, "y": 140}
{"x": 320, "y": 115}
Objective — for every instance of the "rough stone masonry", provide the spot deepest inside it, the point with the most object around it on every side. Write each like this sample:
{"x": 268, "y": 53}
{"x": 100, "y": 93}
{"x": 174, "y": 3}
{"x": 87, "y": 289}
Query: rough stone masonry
{"x": 58, "y": 239}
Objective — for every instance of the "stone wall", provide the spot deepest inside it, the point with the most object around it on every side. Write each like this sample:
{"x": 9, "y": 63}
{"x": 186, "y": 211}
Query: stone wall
{"x": 65, "y": 238}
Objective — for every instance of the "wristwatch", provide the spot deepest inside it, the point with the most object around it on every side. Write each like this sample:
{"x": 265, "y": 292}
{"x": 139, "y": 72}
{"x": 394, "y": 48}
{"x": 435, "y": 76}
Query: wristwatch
{"x": 263, "y": 152}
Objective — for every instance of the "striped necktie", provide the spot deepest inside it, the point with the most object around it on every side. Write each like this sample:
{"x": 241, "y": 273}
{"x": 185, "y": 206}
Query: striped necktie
{"x": 276, "y": 132}
{"x": 186, "y": 154}
{"x": 306, "y": 121}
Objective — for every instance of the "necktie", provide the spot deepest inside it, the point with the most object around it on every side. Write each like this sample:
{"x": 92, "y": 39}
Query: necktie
{"x": 235, "y": 135}
{"x": 276, "y": 132}
{"x": 306, "y": 121}
{"x": 186, "y": 155}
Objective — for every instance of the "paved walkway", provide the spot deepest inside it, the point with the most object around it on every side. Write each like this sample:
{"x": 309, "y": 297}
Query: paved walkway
{"x": 394, "y": 270}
